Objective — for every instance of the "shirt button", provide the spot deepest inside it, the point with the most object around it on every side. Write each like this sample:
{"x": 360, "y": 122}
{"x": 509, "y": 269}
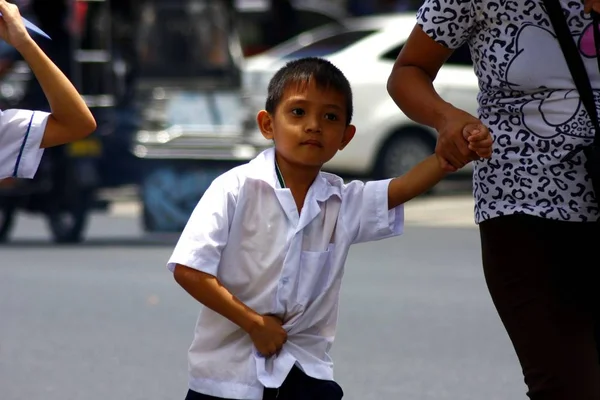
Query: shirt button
{"x": 285, "y": 280}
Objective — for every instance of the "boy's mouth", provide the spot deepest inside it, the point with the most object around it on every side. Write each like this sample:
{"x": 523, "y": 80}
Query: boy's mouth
{"x": 312, "y": 142}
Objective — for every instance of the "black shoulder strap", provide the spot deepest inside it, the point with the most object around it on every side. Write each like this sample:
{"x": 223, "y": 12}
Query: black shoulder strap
{"x": 574, "y": 61}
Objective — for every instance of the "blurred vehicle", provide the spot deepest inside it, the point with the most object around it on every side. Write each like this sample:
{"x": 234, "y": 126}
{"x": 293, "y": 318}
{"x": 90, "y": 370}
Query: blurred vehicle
{"x": 188, "y": 92}
{"x": 257, "y": 31}
{"x": 65, "y": 188}
{"x": 190, "y": 111}
{"x": 189, "y": 60}
{"x": 62, "y": 189}
{"x": 387, "y": 143}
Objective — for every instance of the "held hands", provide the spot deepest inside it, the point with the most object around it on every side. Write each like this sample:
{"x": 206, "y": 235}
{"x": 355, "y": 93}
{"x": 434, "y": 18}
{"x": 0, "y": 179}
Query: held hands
{"x": 268, "y": 335}
{"x": 12, "y": 29}
{"x": 462, "y": 139}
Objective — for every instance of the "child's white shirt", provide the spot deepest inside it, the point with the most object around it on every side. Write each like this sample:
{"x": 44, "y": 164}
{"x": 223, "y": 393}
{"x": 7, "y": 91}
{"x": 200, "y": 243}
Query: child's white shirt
{"x": 21, "y": 133}
{"x": 247, "y": 232}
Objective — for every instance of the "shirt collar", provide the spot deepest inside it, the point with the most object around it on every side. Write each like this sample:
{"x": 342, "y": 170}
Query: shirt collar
{"x": 263, "y": 168}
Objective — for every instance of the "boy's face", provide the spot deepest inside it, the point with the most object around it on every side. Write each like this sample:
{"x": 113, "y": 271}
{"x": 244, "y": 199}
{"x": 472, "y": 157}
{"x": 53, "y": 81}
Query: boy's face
{"x": 308, "y": 126}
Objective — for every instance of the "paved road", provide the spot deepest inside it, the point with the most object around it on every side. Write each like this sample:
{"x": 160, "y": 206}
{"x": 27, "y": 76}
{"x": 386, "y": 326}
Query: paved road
{"x": 105, "y": 321}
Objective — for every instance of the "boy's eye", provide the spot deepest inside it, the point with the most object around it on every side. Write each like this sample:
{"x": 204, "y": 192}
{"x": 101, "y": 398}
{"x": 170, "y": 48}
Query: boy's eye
{"x": 331, "y": 117}
{"x": 298, "y": 111}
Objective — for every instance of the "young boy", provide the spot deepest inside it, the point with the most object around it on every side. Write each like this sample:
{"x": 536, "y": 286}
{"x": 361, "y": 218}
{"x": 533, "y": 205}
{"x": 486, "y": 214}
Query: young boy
{"x": 25, "y": 133}
{"x": 264, "y": 249}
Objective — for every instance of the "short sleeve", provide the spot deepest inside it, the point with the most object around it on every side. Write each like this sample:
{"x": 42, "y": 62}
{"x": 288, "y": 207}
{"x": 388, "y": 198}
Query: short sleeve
{"x": 207, "y": 230}
{"x": 448, "y": 22}
{"x": 21, "y": 133}
{"x": 365, "y": 214}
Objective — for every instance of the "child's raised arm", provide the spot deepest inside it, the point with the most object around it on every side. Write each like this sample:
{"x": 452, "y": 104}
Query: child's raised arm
{"x": 429, "y": 172}
{"x": 70, "y": 118}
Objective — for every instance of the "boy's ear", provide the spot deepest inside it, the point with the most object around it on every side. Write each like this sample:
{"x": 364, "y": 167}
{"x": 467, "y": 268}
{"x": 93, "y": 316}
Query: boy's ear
{"x": 348, "y": 135}
{"x": 265, "y": 124}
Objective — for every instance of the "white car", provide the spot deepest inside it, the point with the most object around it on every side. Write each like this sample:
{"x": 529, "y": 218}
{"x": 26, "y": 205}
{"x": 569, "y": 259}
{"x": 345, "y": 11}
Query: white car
{"x": 387, "y": 143}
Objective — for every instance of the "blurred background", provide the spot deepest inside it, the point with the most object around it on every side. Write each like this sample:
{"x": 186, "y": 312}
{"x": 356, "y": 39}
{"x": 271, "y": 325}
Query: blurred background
{"x": 87, "y": 308}
{"x": 176, "y": 84}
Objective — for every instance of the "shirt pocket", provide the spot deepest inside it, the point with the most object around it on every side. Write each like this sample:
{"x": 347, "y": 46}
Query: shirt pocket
{"x": 315, "y": 274}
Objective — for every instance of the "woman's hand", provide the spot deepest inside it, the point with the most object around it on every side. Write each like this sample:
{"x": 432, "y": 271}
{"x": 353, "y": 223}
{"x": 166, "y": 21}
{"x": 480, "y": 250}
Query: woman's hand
{"x": 452, "y": 148}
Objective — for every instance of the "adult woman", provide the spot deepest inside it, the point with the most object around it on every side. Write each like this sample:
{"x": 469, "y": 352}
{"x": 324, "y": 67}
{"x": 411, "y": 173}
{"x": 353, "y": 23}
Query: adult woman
{"x": 537, "y": 214}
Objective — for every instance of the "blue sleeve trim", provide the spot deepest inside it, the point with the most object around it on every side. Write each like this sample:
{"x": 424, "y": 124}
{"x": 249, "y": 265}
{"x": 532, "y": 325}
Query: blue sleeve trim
{"x": 16, "y": 171}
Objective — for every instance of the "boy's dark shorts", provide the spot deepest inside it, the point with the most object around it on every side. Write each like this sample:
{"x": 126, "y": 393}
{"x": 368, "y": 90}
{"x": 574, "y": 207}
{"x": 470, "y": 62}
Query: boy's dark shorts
{"x": 297, "y": 386}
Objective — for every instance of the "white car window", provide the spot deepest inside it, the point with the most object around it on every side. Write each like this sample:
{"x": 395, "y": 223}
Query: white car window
{"x": 328, "y": 45}
{"x": 255, "y": 28}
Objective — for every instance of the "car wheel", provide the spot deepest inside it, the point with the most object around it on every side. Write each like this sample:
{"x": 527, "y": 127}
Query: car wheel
{"x": 7, "y": 218}
{"x": 402, "y": 152}
{"x": 69, "y": 205}
{"x": 68, "y": 219}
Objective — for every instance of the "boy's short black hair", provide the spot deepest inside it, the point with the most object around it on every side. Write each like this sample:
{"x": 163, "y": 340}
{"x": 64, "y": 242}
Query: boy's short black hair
{"x": 301, "y": 71}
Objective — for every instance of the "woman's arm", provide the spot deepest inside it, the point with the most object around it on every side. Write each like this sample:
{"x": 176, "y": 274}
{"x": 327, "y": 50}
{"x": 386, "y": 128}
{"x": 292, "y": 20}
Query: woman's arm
{"x": 411, "y": 87}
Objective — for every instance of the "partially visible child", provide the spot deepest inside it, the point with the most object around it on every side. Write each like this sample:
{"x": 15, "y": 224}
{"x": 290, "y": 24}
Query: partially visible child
{"x": 264, "y": 249}
{"x": 25, "y": 133}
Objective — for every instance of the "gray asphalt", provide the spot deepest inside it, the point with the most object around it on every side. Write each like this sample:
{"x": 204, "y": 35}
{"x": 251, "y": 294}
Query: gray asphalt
{"x": 105, "y": 320}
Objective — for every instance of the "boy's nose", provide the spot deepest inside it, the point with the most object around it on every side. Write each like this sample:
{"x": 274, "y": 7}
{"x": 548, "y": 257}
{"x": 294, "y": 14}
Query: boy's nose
{"x": 313, "y": 125}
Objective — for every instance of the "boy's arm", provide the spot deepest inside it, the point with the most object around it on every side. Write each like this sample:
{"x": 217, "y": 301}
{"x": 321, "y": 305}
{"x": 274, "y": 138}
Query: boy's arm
{"x": 418, "y": 180}
{"x": 71, "y": 119}
{"x": 373, "y": 210}
{"x": 196, "y": 259}
{"x": 430, "y": 172}
{"x": 211, "y": 293}
{"x": 265, "y": 331}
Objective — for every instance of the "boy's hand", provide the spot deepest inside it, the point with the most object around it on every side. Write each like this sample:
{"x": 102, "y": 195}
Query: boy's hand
{"x": 479, "y": 139}
{"x": 268, "y": 335}
{"x": 12, "y": 29}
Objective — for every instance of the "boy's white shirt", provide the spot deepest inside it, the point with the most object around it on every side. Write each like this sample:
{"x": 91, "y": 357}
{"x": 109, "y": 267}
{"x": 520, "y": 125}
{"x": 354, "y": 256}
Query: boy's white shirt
{"x": 246, "y": 231}
{"x": 21, "y": 133}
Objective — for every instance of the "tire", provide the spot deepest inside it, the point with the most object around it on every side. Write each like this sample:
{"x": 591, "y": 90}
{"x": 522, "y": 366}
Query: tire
{"x": 7, "y": 220}
{"x": 68, "y": 218}
{"x": 148, "y": 223}
{"x": 403, "y": 151}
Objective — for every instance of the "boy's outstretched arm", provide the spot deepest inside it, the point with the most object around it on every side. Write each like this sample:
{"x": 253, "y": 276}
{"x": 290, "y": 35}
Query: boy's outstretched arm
{"x": 266, "y": 332}
{"x": 70, "y": 118}
{"x": 429, "y": 172}
{"x": 415, "y": 182}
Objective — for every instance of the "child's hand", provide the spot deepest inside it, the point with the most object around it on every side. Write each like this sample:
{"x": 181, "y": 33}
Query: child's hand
{"x": 268, "y": 336}
{"x": 12, "y": 29}
{"x": 479, "y": 138}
